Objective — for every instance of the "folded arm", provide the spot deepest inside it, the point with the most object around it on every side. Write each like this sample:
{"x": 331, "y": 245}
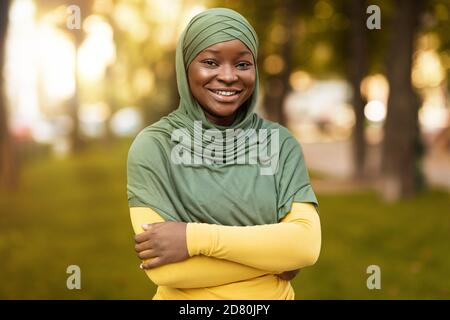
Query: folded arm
{"x": 292, "y": 244}
{"x": 195, "y": 272}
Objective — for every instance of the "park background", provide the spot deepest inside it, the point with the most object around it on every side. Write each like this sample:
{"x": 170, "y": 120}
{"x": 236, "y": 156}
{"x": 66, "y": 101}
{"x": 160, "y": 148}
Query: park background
{"x": 368, "y": 99}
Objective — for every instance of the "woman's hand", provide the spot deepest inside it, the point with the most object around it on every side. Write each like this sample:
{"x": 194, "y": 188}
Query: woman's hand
{"x": 289, "y": 275}
{"x": 162, "y": 242}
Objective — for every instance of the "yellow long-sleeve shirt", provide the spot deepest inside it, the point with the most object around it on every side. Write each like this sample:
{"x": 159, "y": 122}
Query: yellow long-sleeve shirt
{"x": 234, "y": 262}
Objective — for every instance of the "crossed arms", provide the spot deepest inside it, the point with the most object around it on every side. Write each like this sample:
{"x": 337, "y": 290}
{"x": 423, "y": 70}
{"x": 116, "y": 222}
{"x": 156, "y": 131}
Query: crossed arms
{"x": 225, "y": 254}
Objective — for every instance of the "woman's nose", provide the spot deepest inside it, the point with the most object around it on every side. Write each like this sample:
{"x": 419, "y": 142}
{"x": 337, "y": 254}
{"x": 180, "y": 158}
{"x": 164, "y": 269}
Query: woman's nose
{"x": 227, "y": 74}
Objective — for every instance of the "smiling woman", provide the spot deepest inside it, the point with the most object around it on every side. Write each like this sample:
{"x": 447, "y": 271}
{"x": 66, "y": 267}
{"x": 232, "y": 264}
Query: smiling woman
{"x": 222, "y": 78}
{"x": 208, "y": 230}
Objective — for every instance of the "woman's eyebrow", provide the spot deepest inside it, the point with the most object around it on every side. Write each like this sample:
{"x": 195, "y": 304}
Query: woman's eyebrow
{"x": 240, "y": 54}
{"x": 243, "y": 53}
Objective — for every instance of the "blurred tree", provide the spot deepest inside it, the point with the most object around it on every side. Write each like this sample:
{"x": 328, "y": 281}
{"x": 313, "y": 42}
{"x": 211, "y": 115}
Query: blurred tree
{"x": 277, "y": 85}
{"x": 8, "y": 165}
{"x": 437, "y": 20}
{"x": 401, "y": 130}
{"x": 152, "y": 55}
{"x": 74, "y": 104}
{"x": 357, "y": 69}
{"x": 85, "y": 8}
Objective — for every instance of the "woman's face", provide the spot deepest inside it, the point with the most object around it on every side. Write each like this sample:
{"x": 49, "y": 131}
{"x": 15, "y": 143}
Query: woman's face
{"x": 221, "y": 78}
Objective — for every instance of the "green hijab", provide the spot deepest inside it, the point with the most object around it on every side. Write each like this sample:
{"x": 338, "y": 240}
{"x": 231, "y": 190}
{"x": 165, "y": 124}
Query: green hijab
{"x": 218, "y": 188}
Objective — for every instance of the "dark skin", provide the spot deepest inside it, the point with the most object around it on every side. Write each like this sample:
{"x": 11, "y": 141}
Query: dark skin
{"x": 221, "y": 78}
{"x": 227, "y": 66}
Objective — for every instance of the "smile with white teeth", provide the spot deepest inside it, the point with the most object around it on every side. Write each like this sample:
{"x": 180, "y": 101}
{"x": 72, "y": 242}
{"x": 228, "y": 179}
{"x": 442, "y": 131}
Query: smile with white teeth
{"x": 224, "y": 93}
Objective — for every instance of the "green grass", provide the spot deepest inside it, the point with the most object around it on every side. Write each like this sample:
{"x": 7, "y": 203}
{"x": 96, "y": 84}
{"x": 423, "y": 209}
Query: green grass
{"x": 74, "y": 211}
{"x": 409, "y": 241}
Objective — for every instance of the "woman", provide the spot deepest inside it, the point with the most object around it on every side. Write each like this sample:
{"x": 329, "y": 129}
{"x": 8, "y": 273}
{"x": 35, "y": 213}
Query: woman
{"x": 217, "y": 213}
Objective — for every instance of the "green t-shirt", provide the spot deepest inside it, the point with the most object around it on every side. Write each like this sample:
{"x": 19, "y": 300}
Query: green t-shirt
{"x": 236, "y": 194}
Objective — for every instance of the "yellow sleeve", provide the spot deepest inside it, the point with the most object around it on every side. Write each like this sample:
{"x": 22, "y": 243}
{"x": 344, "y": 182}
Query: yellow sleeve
{"x": 195, "y": 272}
{"x": 293, "y": 243}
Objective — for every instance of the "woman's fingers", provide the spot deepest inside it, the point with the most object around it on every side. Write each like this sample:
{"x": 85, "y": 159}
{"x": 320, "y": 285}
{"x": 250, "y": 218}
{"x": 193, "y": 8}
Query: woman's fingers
{"x": 147, "y": 245}
{"x": 150, "y": 230}
{"x": 162, "y": 243}
{"x": 147, "y": 254}
{"x": 141, "y": 237}
{"x": 289, "y": 275}
{"x": 153, "y": 263}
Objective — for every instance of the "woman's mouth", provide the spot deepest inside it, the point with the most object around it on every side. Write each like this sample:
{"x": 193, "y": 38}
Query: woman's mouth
{"x": 225, "y": 95}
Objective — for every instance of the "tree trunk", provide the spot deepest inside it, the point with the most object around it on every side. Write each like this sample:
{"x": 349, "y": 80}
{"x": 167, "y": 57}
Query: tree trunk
{"x": 8, "y": 164}
{"x": 277, "y": 86}
{"x": 357, "y": 68}
{"x": 401, "y": 130}
{"x": 76, "y": 142}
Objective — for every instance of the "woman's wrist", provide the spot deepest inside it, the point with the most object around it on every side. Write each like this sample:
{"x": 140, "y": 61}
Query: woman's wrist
{"x": 200, "y": 238}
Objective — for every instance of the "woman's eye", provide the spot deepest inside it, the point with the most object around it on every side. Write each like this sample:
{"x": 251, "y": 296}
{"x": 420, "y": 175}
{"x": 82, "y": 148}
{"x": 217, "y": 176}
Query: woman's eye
{"x": 243, "y": 65}
{"x": 210, "y": 63}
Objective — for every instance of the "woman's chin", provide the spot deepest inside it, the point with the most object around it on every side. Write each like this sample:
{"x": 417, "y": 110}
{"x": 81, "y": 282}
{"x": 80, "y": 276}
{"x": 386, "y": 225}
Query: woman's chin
{"x": 218, "y": 116}
{"x": 223, "y": 110}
